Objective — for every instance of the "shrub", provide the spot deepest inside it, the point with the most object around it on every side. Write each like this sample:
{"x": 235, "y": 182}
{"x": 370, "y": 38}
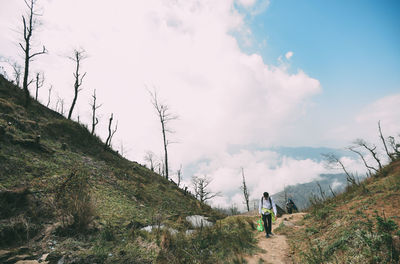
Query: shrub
{"x": 315, "y": 255}
{"x": 74, "y": 202}
{"x": 387, "y": 230}
{"x": 223, "y": 242}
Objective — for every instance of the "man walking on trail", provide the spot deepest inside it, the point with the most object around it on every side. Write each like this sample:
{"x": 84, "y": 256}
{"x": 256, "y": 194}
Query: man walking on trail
{"x": 267, "y": 210}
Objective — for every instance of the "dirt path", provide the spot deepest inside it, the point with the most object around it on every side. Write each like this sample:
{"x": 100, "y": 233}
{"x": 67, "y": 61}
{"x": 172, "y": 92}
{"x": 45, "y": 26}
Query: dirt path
{"x": 275, "y": 249}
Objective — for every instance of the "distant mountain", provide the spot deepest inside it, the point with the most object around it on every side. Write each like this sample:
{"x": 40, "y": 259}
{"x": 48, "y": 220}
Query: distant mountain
{"x": 301, "y": 193}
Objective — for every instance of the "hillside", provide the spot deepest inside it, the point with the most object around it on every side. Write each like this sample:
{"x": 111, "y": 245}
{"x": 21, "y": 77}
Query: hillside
{"x": 63, "y": 196}
{"x": 361, "y": 225}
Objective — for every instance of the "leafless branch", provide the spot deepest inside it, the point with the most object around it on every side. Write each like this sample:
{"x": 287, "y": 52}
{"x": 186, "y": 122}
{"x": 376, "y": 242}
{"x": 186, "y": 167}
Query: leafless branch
{"x": 165, "y": 117}
{"x": 332, "y": 161}
{"x": 49, "y": 97}
{"x": 94, "y": 106}
{"x": 369, "y": 168}
{"x": 246, "y": 193}
{"x": 149, "y": 157}
{"x": 200, "y": 186}
{"x": 390, "y": 155}
{"x": 29, "y": 27}
{"x": 371, "y": 149}
{"x": 44, "y": 51}
{"x": 111, "y": 131}
{"x": 79, "y": 55}
{"x": 39, "y": 83}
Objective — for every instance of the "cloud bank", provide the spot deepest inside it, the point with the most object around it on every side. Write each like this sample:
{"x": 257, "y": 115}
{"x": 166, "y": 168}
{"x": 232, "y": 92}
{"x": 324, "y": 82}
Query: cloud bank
{"x": 187, "y": 50}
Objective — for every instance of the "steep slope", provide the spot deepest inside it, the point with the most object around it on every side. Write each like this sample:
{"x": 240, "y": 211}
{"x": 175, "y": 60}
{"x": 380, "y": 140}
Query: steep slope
{"x": 62, "y": 191}
{"x": 360, "y": 225}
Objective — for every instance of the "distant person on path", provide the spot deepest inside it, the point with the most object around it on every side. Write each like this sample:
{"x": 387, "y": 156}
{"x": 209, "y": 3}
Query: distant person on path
{"x": 266, "y": 209}
{"x": 290, "y": 206}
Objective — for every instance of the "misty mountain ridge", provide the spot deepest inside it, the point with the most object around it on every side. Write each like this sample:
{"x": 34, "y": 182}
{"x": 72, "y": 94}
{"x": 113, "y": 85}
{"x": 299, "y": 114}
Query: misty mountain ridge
{"x": 301, "y": 193}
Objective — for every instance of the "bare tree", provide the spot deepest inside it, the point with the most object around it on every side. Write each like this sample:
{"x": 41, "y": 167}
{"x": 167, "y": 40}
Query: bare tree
{"x": 17, "y": 71}
{"x": 285, "y": 193}
{"x": 200, "y": 186}
{"x": 95, "y": 120}
{"x": 369, "y": 168}
{"x": 111, "y": 131}
{"x": 246, "y": 193}
{"x": 49, "y": 97}
{"x": 30, "y": 22}
{"x": 179, "y": 175}
{"x": 371, "y": 149}
{"x": 79, "y": 55}
{"x": 149, "y": 157}
{"x": 395, "y": 146}
{"x": 333, "y": 193}
{"x": 161, "y": 167}
{"x": 39, "y": 83}
{"x": 321, "y": 192}
{"x": 165, "y": 118}
{"x": 334, "y": 162}
{"x": 122, "y": 149}
{"x": 60, "y": 102}
{"x": 390, "y": 155}
{"x": 62, "y": 109}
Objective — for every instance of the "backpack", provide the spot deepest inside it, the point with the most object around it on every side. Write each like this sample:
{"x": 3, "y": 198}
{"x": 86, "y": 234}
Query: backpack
{"x": 269, "y": 198}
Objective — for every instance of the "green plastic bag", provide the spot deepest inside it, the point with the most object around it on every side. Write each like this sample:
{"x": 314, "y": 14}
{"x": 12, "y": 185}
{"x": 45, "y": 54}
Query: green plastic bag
{"x": 260, "y": 225}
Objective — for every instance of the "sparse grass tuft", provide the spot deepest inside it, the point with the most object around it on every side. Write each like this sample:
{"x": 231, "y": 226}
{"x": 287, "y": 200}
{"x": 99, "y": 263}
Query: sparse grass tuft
{"x": 224, "y": 242}
{"x": 74, "y": 201}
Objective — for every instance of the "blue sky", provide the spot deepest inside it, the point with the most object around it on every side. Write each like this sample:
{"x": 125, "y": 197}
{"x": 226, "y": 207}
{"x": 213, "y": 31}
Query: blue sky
{"x": 351, "y": 47}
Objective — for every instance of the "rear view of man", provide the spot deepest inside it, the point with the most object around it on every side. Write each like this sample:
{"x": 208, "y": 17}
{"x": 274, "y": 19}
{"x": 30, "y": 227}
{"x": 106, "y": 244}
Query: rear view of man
{"x": 266, "y": 209}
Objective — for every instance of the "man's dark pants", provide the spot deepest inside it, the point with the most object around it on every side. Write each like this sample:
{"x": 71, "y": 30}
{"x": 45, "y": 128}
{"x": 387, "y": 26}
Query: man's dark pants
{"x": 267, "y": 223}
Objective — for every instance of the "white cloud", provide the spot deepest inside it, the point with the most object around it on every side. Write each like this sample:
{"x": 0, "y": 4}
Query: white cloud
{"x": 289, "y": 55}
{"x": 186, "y": 49}
{"x": 263, "y": 170}
{"x": 247, "y": 3}
{"x": 385, "y": 110}
{"x": 365, "y": 123}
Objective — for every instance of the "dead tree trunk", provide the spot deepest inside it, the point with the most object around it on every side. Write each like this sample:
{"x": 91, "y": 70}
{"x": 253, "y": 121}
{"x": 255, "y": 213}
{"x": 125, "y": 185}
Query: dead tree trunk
{"x": 29, "y": 27}
{"x": 17, "y": 71}
{"x": 111, "y": 132}
{"x": 165, "y": 117}
{"x": 390, "y": 155}
{"x": 333, "y": 161}
{"x": 369, "y": 168}
{"x": 79, "y": 55}
{"x": 49, "y": 97}
{"x": 95, "y": 120}
{"x": 372, "y": 150}
{"x": 150, "y": 158}
{"x": 179, "y": 172}
{"x": 245, "y": 190}
{"x": 39, "y": 84}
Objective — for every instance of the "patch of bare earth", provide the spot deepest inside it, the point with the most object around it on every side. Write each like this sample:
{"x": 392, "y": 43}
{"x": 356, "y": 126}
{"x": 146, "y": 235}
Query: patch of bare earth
{"x": 276, "y": 248}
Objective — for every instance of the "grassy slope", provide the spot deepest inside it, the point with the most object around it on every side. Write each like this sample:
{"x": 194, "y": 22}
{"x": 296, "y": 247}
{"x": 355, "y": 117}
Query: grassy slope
{"x": 124, "y": 193}
{"x": 358, "y": 226}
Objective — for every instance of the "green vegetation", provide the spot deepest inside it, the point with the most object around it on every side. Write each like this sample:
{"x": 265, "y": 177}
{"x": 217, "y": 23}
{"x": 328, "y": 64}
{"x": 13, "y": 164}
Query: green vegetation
{"x": 227, "y": 240}
{"x": 63, "y": 193}
{"x": 360, "y": 225}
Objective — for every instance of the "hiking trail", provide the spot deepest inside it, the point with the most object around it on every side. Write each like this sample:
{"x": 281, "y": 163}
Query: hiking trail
{"x": 276, "y": 248}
